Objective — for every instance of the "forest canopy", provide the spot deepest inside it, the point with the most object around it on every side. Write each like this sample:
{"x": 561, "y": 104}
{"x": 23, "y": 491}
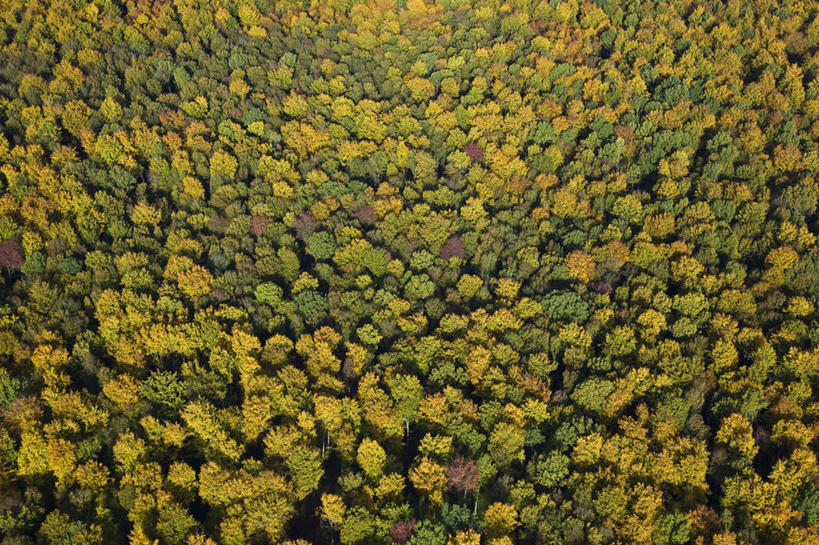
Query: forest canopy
{"x": 409, "y": 272}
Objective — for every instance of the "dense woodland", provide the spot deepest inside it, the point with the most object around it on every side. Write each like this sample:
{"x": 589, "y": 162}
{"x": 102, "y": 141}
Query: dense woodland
{"x": 454, "y": 273}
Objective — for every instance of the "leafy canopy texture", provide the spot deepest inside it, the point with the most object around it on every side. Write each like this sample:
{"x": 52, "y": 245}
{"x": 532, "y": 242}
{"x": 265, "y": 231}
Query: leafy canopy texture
{"x": 425, "y": 272}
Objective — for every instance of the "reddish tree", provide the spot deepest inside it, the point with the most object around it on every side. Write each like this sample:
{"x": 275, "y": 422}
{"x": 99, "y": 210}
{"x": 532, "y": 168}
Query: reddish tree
{"x": 218, "y": 224}
{"x": 474, "y": 151}
{"x": 560, "y": 397}
{"x": 601, "y": 287}
{"x": 259, "y": 224}
{"x": 454, "y": 247}
{"x": 366, "y": 215}
{"x": 246, "y": 266}
{"x": 402, "y": 530}
{"x": 462, "y": 475}
{"x": 234, "y": 113}
{"x": 219, "y": 294}
{"x": 304, "y": 225}
{"x": 11, "y": 254}
{"x": 762, "y": 434}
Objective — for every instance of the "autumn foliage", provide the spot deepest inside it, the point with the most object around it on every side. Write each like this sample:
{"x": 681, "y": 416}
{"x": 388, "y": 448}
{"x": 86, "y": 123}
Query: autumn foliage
{"x": 424, "y": 272}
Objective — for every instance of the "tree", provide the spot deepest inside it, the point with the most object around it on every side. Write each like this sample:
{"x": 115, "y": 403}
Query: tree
{"x": 469, "y": 285}
{"x": 369, "y": 335}
{"x": 268, "y": 293}
{"x": 407, "y": 392}
{"x": 474, "y": 151}
{"x": 428, "y": 533}
{"x": 565, "y": 306}
{"x": 500, "y": 519}
{"x": 195, "y": 282}
{"x": 372, "y": 459}
{"x": 358, "y": 527}
{"x": 736, "y": 433}
{"x": 581, "y": 266}
{"x": 200, "y": 419}
{"x": 429, "y": 477}
{"x": 11, "y": 254}
{"x": 401, "y": 531}
{"x": 506, "y": 444}
{"x": 552, "y": 470}
{"x": 462, "y": 475}
{"x": 174, "y": 524}
{"x": 321, "y": 245}
{"x": 333, "y": 508}
{"x": 454, "y": 247}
